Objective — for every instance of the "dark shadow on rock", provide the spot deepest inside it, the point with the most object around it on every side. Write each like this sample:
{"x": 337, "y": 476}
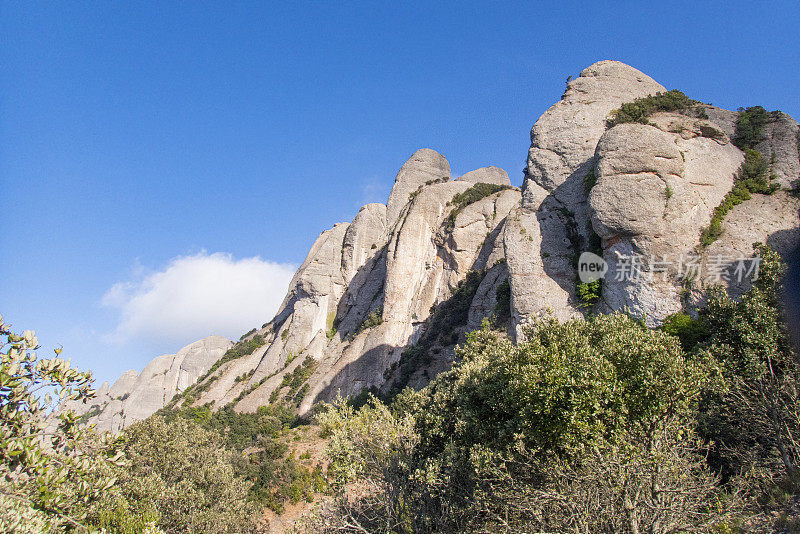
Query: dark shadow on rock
{"x": 360, "y": 374}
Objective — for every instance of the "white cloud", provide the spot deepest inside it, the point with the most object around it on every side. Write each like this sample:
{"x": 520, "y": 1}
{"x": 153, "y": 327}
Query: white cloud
{"x": 196, "y": 296}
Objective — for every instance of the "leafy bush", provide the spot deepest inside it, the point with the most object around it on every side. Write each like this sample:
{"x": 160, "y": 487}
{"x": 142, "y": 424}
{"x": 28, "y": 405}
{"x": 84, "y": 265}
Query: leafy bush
{"x": 502, "y": 307}
{"x": 589, "y": 181}
{"x": 641, "y": 108}
{"x": 296, "y": 378}
{"x": 567, "y": 385}
{"x": 185, "y": 473}
{"x": 752, "y": 416}
{"x": 475, "y": 193}
{"x": 586, "y": 426}
{"x": 275, "y": 477}
{"x": 589, "y": 292}
{"x": 689, "y": 331}
{"x": 583, "y": 427}
{"x": 51, "y": 469}
{"x": 330, "y": 323}
{"x": 750, "y": 127}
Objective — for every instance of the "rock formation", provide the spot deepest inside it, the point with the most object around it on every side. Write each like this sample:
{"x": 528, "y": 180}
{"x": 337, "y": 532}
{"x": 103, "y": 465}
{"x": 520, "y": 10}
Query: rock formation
{"x": 379, "y": 303}
{"x": 136, "y": 396}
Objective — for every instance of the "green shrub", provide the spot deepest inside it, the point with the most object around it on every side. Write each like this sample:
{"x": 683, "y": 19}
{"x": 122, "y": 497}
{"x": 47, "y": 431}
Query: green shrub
{"x": 330, "y": 323}
{"x": 185, "y": 473}
{"x": 690, "y": 331}
{"x": 51, "y": 465}
{"x": 589, "y": 292}
{"x": 374, "y": 318}
{"x": 583, "y": 427}
{"x": 566, "y": 385}
{"x": 296, "y": 378}
{"x": 589, "y": 181}
{"x": 752, "y": 416}
{"x": 274, "y": 477}
{"x": 641, "y": 108}
{"x": 502, "y": 307}
{"x": 475, "y": 193}
{"x": 238, "y": 350}
{"x": 750, "y": 127}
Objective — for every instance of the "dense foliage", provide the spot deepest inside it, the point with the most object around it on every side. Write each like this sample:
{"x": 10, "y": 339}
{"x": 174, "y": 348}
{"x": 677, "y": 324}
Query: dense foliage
{"x": 641, "y": 108}
{"x": 183, "y": 476}
{"x": 750, "y": 127}
{"x": 754, "y": 420}
{"x": 258, "y": 443}
{"x": 594, "y": 426}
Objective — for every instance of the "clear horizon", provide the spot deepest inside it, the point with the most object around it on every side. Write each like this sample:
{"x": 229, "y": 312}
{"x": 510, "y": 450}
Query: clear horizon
{"x": 151, "y": 151}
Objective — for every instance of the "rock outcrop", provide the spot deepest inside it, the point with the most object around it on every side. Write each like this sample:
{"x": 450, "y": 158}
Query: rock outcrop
{"x": 136, "y": 396}
{"x": 380, "y": 302}
{"x": 656, "y": 189}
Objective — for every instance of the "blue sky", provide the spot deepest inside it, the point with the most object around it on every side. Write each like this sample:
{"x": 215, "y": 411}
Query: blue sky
{"x": 147, "y": 148}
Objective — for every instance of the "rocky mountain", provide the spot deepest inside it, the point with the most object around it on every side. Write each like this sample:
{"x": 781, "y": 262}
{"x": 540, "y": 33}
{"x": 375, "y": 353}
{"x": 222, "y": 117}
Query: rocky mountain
{"x": 135, "y": 396}
{"x": 380, "y": 302}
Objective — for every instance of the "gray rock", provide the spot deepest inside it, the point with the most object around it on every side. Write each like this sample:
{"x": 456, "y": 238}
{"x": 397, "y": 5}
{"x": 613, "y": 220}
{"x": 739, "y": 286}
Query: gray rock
{"x": 135, "y": 397}
{"x": 363, "y": 238}
{"x": 563, "y": 140}
{"x": 655, "y": 192}
{"x": 780, "y": 148}
{"x": 771, "y": 219}
{"x": 424, "y": 166}
{"x": 486, "y": 175}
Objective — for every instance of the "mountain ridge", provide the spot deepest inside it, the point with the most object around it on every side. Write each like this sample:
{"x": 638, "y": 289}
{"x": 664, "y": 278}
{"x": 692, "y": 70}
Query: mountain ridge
{"x": 380, "y": 302}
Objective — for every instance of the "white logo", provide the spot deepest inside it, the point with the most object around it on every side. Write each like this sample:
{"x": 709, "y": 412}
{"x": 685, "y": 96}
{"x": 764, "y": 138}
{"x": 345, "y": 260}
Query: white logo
{"x": 591, "y": 267}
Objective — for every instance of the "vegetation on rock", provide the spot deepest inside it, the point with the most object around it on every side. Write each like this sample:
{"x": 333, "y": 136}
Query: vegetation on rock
{"x": 641, "y": 108}
{"x": 750, "y": 127}
{"x": 754, "y": 178}
{"x": 441, "y": 331}
{"x": 475, "y": 193}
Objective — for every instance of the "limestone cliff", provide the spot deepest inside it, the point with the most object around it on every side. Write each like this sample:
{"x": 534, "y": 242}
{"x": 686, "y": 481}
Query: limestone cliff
{"x": 381, "y": 302}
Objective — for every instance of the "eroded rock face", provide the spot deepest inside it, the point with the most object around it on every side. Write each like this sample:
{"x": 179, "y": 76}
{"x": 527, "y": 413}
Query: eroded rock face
{"x": 365, "y": 235}
{"x": 656, "y": 189}
{"x": 486, "y": 175}
{"x": 563, "y": 140}
{"x": 780, "y": 148}
{"x": 561, "y": 155}
{"x": 771, "y": 219}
